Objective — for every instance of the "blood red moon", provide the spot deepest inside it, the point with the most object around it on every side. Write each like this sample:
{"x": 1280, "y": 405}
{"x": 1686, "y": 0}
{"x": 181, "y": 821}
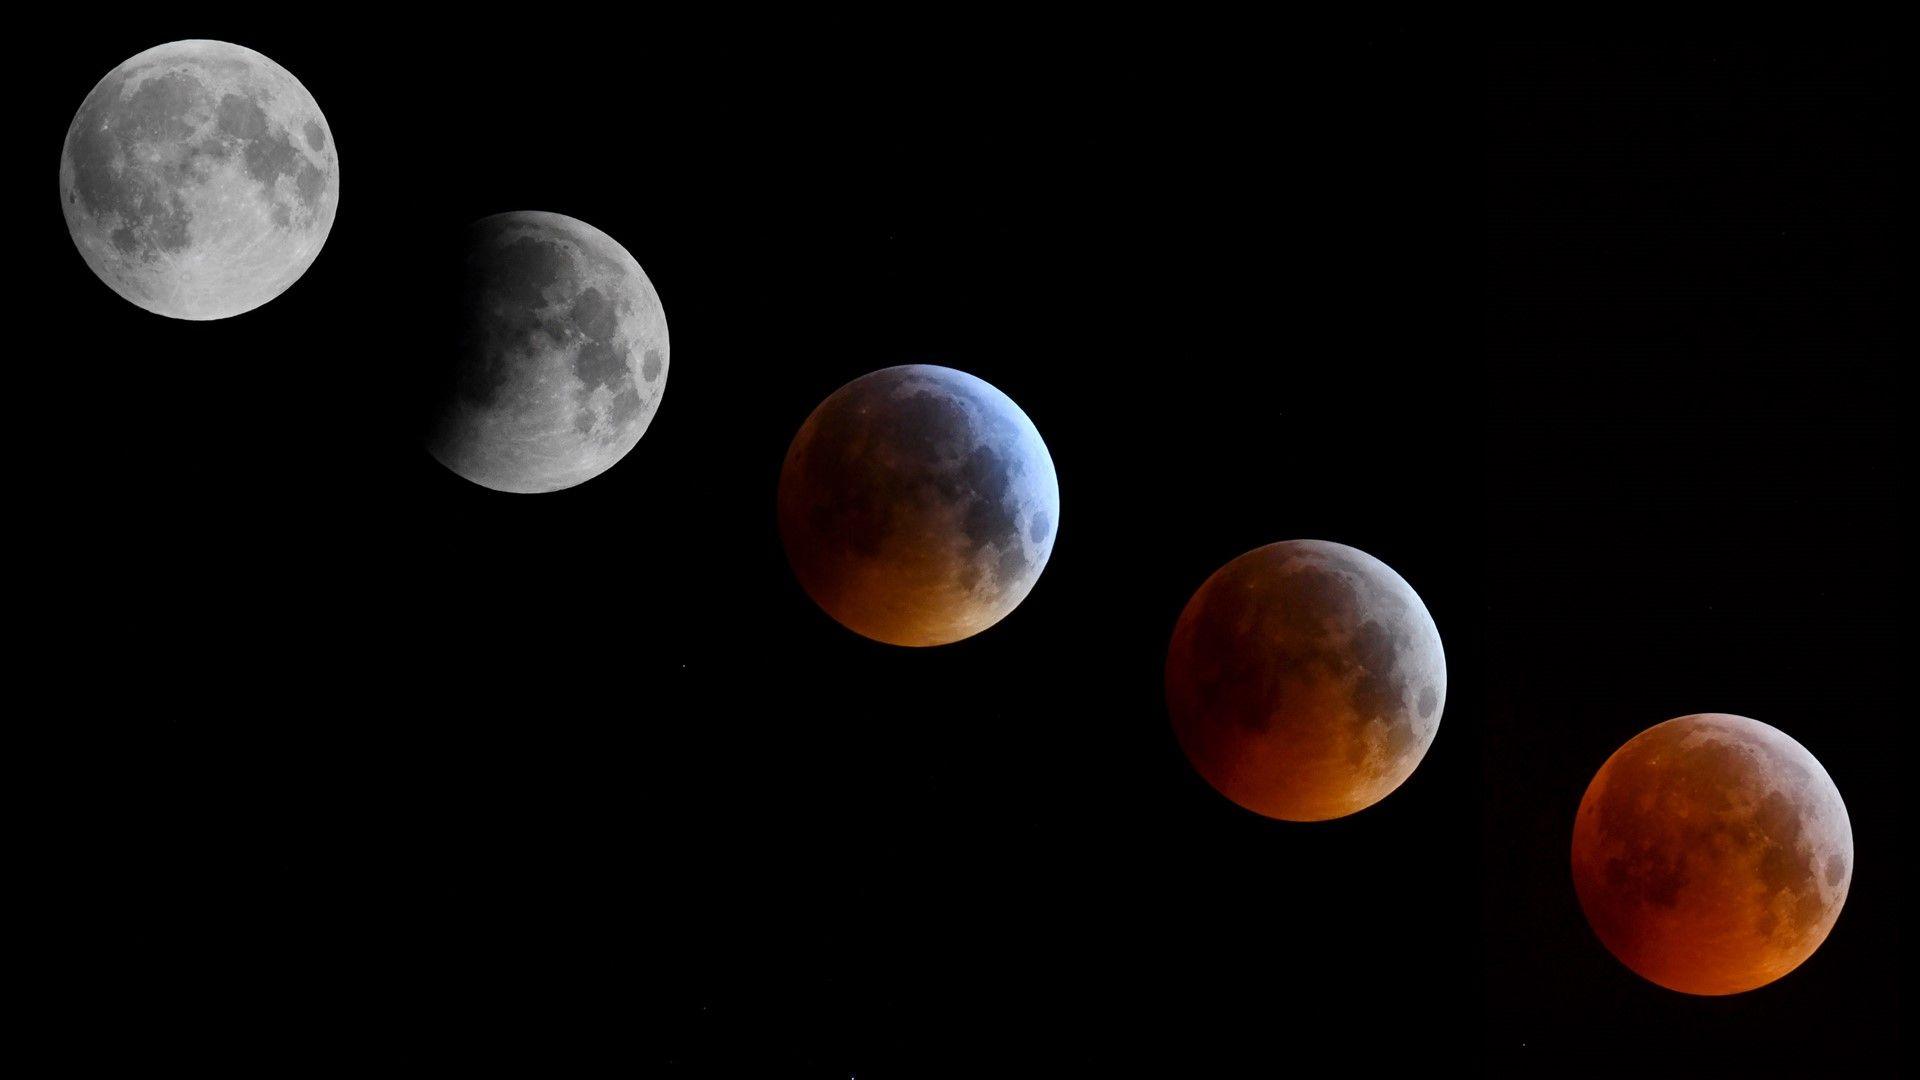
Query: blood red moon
{"x": 1305, "y": 680}
{"x": 1712, "y": 854}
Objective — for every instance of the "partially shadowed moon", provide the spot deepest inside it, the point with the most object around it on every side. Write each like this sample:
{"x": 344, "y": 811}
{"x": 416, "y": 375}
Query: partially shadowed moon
{"x": 199, "y": 180}
{"x": 1305, "y": 680}
{"x": 1712, "y": 854}
{"x": 918, "y": 505}
{"x": 560, "y": 361}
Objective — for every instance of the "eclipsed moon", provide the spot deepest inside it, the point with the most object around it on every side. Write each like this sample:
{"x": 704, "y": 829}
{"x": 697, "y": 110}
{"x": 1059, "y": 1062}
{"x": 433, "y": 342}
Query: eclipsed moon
{"x": 199, "y": 180}
{"x": 918, "y": 505}
{"x": 559, "y": 361}
{"x": 1305, "y": 680}
{"x": 1712, "y": 854}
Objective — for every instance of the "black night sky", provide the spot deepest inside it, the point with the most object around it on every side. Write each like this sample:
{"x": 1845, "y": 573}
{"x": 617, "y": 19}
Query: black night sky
{"x": 1594, "y": 345}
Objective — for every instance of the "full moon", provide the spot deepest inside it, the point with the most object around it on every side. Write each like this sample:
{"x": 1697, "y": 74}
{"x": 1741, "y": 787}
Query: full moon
{"x": 1712, "y": 854}
{"x": 561, "y": 358}
{"x": 1305, "y": 680}
{"x": 918, "y": 505}
{"x": 199, "y": 180}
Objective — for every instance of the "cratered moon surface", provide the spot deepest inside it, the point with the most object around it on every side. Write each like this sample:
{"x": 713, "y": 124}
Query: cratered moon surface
{"x": 918, "y": 505}
{"x": 1712, "y": 854}
{"x": 1305, "y": 680}
{"x": 199, "y": 180}
{"x": 561, "y": 356}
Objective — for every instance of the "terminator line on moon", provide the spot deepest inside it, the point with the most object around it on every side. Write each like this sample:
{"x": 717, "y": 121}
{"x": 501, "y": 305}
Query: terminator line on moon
{"x": 918, "y": 505}
{"x": 561, "y": 358}
{"x": 199, "y": 180}
{"x": 1305, "y": 680}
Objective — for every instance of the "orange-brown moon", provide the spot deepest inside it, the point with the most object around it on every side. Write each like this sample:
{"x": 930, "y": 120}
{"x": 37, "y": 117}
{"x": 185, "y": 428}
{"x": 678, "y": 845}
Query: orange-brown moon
{"x": 918, "y": 505}
{"x": 1712, "y": 854}
{"x": 1305, "y": 680}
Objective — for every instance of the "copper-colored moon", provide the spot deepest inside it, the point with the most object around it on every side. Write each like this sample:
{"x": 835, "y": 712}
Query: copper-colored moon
{"x": 918, "y": 505}
{"x": 1712, "y": 854}
{"x": 1305, "y": 680}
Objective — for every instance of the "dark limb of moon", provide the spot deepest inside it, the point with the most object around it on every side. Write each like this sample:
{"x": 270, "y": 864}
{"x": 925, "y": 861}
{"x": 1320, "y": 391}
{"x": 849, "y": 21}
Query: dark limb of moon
{"x": 558, "y": 359}
{"x": 199, "y": 180}
{"x": 1712, "y": 854}
{"x": 1305, "y": 680}
{"x": 918, "y": 505}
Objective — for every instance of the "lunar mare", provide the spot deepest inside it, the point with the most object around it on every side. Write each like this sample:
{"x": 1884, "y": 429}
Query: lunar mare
{"x": 918, "y": 505}
{"x": 199, "y": 180}
{"x": 1712, "y": 854}
{"x": 561, "y": 358}
{"x": 1305, "y": 680}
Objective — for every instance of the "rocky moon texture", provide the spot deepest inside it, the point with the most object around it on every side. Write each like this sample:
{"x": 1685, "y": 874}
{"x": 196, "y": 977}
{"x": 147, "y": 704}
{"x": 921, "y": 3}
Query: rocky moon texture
{"x": 559, "y": 360}
{"x": 1712, "y": 854}
{"x": 918, "y": 505}
{"x": 1305, "y": 680}
{"x": 199, "y": 180}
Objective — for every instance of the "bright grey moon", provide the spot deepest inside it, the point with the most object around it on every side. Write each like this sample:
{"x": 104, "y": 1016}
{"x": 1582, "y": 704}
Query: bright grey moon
{"x": 199, "y": 180}
{"x": 561, "y": 358}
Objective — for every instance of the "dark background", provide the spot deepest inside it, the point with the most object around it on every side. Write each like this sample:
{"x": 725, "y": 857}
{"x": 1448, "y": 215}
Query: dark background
{"x": 1593, "y": 345}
